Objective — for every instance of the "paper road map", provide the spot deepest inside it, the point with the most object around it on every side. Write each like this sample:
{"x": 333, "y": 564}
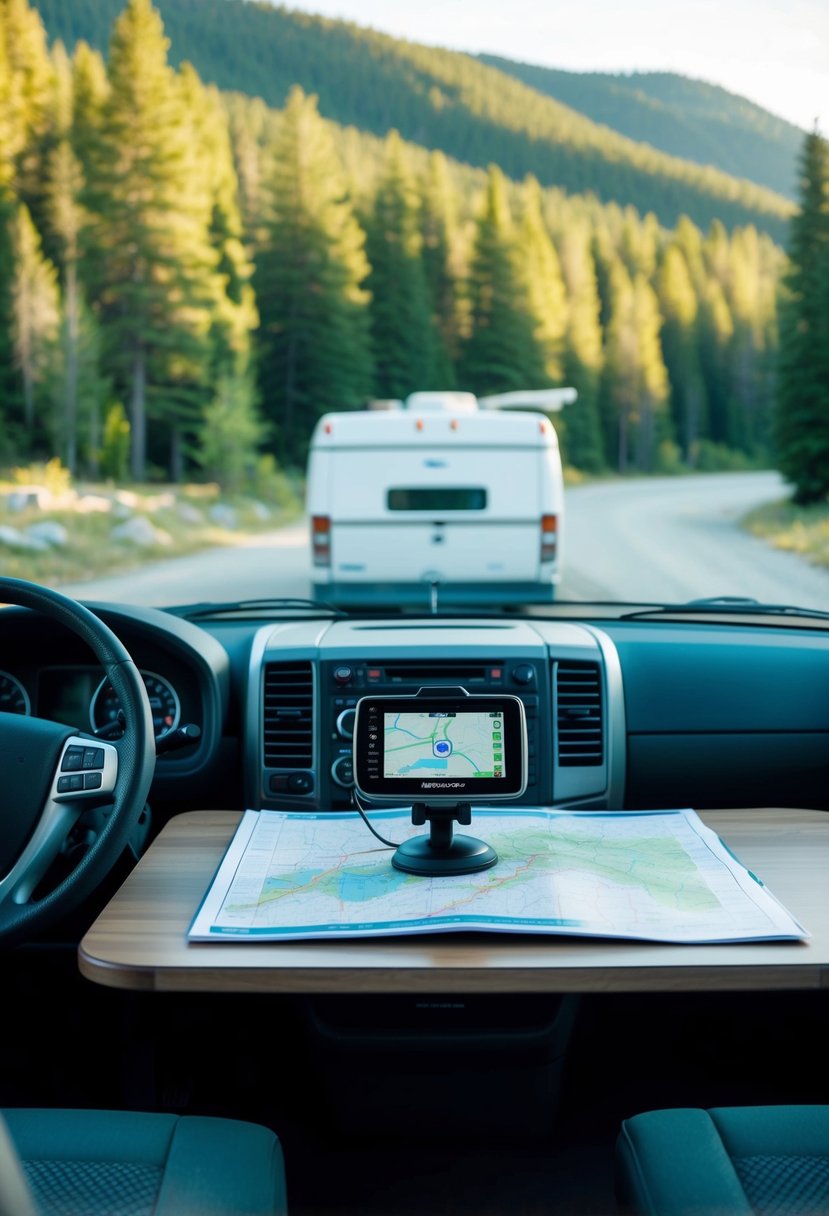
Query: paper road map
{"x": 649, "y": 875}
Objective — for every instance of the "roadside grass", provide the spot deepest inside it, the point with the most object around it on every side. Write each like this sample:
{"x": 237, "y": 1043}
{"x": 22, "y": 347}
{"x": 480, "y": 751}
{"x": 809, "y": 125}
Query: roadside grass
{"x": 168, "y": 521}
{"x": 801, "y": 530}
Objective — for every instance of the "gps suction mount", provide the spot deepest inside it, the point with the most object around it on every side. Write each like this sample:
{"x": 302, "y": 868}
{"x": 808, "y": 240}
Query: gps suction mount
{"x": 441, "y": 852}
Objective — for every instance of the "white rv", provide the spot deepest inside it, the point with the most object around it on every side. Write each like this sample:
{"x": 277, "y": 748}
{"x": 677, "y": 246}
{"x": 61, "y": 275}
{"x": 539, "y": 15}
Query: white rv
{"x": 436, "y": 500}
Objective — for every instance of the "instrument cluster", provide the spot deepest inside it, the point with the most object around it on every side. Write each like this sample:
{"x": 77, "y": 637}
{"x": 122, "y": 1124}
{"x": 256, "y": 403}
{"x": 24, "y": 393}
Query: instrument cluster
{"x": 77, "y": 697}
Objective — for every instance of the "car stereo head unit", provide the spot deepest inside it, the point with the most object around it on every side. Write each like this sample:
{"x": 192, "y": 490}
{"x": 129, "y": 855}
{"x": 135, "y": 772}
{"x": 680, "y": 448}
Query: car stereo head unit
{"x": 440, "y": 748}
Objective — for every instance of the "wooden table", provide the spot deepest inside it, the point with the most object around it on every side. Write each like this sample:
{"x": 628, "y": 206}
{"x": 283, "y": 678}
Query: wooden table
{"x": 140, "y": 940}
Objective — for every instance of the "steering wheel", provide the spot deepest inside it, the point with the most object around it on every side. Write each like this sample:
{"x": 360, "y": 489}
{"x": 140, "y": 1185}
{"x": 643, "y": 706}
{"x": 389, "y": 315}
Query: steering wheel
{"x": 52, "y": 774}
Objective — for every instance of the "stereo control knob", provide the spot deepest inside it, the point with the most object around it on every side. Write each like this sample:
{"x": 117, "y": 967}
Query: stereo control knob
{"x": 342, "y": 771}
{"x": 523, "y": 674}
{"x": 343, "y": 674}
{"x": 345, "y": 723}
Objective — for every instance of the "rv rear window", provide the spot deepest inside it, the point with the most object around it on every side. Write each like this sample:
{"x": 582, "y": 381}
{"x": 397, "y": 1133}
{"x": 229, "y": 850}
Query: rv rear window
{"x": 437, "y": 498}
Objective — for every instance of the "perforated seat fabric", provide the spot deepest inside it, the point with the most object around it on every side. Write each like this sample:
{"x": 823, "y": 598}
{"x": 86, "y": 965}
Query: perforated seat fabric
{"x": 117, "y": 1163}
{"x": 757, "y": 1160}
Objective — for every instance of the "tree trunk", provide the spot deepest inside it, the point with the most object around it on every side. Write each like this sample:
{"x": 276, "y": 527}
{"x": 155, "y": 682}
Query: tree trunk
{"x": 138, "y": 418}
{"x": 176, "y": 456}
{"x": 71, "y": 399}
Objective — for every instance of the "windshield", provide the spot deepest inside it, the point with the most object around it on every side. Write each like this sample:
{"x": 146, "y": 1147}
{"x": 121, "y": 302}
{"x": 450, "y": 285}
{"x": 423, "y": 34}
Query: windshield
{"x": 415, "y": 305}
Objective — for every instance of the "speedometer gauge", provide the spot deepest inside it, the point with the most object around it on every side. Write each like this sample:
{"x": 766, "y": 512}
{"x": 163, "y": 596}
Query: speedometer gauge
{"x": 164, "y": 704}
{"x": 13, "y": 696}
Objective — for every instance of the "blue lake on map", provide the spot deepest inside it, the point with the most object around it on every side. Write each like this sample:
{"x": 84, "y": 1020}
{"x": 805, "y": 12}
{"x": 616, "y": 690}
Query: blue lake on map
{"x": 358, "y": 888}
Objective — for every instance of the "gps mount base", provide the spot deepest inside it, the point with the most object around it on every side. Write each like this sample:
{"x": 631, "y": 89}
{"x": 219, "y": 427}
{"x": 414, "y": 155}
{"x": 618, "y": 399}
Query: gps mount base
{"x": 441, "y": 852}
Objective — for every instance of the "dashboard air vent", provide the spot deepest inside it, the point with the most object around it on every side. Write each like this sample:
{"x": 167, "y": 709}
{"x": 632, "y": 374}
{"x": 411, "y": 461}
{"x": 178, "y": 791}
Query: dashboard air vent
{"x": 288, "y": 715}
{"x": 579, "y": 714}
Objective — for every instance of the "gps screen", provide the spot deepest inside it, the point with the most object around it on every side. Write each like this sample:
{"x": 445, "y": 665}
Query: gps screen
{"x": 443, "y": 744}
{"x": 440, "y": 748}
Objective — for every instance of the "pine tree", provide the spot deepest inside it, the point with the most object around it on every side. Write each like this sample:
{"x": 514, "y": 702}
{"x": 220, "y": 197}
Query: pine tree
{"x": 541, "y": 272}
{"x": 234, "y": 315}
{"x": 802, "y": 417}
{"x": 10, "y": 386}
{"x": 12, "y": 134}
{"x": 35, "y": 317}
{"x": 638, "y": 243}
{"x": 28, "y": 96}
{"x": 247, "y": 119}
{"x": 232, "y": 432}
{"x": 149, "y": 263}
{"x": 442, "y": 263}
{"x": 90, "y": 91}
{"x": 501, "y": 352}
{"x": 93, "y": 390}
{"x": 402, "y": 329}
{"x": 653, "y": 430}
{"x": 63, "y": 187}
{"x": 678, "y": 305}
{"x": 688, "y": 238}
{"x": 582, "y": 368}
{"x": 716, "y": 254}
{"x": 754, "y": 275}
{"x": 315, "y": 352}
{"x": 635, "y": 382}
{"x": 715, "y": 331}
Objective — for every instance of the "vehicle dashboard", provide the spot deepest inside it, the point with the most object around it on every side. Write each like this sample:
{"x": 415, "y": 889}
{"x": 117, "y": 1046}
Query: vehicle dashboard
{"x": 621, "y": 713}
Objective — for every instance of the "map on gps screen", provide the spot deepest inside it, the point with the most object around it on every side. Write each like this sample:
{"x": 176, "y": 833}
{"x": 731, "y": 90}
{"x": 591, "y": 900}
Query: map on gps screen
{"x": 444, "y": 744}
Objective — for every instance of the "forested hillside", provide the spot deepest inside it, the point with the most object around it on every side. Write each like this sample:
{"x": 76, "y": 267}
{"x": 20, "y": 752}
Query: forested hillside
{"x": 189, "y": 279}
{"x": 439, "y": 99}
{"x": 687, "y": 118}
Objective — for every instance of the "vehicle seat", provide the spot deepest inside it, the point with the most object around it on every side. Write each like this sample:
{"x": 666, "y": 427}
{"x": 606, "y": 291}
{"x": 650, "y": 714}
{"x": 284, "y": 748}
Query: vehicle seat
{"x": 96, "y": 1162}
{"x": 767, "y": 1160}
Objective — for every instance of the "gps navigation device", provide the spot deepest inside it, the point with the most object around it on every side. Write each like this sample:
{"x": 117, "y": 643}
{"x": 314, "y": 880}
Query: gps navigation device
{"x": 439, "y": 749}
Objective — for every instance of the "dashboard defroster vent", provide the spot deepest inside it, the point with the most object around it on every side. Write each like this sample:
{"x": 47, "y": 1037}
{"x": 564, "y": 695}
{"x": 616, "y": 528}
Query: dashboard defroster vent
{"x": 579, "y": 714}
{"x": 448, "y": 671}
{"x": 288, "y": 715}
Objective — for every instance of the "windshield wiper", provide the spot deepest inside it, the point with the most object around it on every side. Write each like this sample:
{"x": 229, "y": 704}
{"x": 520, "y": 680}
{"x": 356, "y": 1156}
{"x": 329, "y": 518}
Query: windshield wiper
{"x": 284, "y": 605}
{"x": 737, "y": 604}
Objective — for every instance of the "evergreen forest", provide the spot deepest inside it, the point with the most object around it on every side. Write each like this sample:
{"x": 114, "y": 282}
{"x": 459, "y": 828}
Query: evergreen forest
{"x": 190, "y": 277}
{"x": 688, "y": 118}
{"x": 451, "y": 102}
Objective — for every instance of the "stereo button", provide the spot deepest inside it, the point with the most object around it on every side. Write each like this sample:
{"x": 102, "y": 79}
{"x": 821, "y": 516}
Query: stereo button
{"x": 342, "y": 770}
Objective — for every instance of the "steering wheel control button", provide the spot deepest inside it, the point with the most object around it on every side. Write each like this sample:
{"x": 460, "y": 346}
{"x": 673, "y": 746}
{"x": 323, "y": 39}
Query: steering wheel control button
{"x": 85, "y": 772}
{"x": 72, "y": 760}
{"x": 70, "y": 785}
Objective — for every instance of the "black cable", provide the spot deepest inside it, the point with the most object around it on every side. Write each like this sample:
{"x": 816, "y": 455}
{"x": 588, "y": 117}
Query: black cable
{"x": 355, "y": 802}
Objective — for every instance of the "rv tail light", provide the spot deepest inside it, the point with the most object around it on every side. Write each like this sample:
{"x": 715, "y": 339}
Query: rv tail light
{"x": 549, "y": 537}
{"x": 321, "y": 540}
